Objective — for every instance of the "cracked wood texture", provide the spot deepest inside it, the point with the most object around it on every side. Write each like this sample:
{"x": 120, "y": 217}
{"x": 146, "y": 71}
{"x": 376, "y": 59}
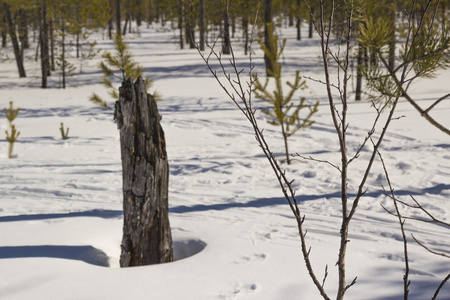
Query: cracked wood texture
{"x": 146, "y": 237}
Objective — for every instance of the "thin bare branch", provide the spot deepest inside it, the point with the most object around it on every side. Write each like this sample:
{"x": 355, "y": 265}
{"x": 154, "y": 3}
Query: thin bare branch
{"x": 325, "y": 276}
{"x": 319, "y": 160}
{"x": 372, "y": 158}
{"x": 351, "y": 284}
{"x": 322, "y": 82}
{"x": 419, "y": 206}
{"x": 371, "y": 131}
{"x": 436, "y": 103}
{"x": 428, "y": 249}
{"x": 402, "y": 228}
{"x": 440, "y": 287}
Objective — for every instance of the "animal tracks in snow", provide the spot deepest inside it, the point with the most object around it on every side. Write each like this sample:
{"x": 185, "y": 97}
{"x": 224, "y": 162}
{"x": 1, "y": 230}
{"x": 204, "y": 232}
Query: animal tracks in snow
{"x": 252, "y": 258}
{"x": 239, "y": 290}
{"x": 268, "y": 235}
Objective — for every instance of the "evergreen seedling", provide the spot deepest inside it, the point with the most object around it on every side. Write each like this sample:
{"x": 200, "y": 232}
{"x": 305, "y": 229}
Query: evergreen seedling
{"x": 11, "y": 114}
{"x": 119, "y": 65}
{"x": 284, "y": 112}
{"x": 64, "y": 134}
{"x": 11, "y": 138}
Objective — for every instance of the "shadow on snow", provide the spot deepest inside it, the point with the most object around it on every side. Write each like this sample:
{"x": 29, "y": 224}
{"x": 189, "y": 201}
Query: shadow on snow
{"x": 88, "y": 254}
{"x": 264, "y": 202}
{"x": 99, "y": 213}
{"x": 91, "y": 255}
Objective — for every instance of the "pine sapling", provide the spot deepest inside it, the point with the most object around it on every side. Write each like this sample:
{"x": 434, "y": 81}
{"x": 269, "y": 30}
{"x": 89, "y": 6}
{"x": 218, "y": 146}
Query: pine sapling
{"x": 64, "y": 134}
{"x": 11, "y": 138}
{"x": 284, "y": 112}
{"x": 119, "y": 65}
{"x": 88, "y": 49}
{"x": 11, "y": 114}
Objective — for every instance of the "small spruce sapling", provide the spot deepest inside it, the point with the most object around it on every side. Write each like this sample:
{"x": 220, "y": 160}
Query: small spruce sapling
{"x": 64, "y": 134}
{"x": 119, "y": 65}
{"x": 11, "y": 114}
{"x": 284, "y": 112}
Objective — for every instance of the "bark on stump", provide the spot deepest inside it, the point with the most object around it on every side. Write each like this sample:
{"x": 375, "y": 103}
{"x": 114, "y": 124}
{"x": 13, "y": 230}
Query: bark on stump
{"x": 147, "y": 237}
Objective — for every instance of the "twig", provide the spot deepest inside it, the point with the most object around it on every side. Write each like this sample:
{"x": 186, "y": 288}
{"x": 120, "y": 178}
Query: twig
{"x": 325, "y": 276}
{"x": 351, "y": 284}
{"x": 419, "y": 206}
{"x": 321, "y": 82}
{"x": 406, "y": 281}
{"x": 436, "y": 102}
{"x": 429, "y": 250}
{"x": 371, "y": 131}
{"x": 319, "y": 160}
{"x": 440, "y": 287}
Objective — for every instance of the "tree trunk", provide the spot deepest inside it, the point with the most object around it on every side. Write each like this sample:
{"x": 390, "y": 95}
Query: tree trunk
{"x": 77, "y": 44}
{"x": 110, "y": 21}
{"x": 43, "y": 33}
{"x": 246, "y": 35}
{"x": 299, "y": 22}
{"x": 202, "y": 24}
{"x": 268, "y": 19}
{"x": 3, "y": 38}
{"x": 118, "y": 17}
{"x": 3, "y": 28}
{"x": 189, "y": 32}
{"x": 146, "y": 231}
{"x": 52, "y": 46}
{"x": 359, "y": 69}
{"x": 12, "y": 32}
{"x": 23, "y": 30}
{"x": 392, "y": 42}
{"x": 124, "y": 31}
{"x": 180, "y": 22}
{"x": 3, "y": 31}
{"x": 139, "y": 13}
{"x": 311, "y": 24}
{"x": 233, "y": 26}
{"x": 151, "y": 12}
{"x": 63, "y": 51}
{"x": 226, "y": 33}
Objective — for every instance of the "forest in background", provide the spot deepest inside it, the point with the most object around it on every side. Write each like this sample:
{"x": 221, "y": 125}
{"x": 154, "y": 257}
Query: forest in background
{"x": 59, "y": 33}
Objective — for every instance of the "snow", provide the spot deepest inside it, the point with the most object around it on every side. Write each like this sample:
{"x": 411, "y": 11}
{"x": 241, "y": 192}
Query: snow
{"x": 234, "y": 234}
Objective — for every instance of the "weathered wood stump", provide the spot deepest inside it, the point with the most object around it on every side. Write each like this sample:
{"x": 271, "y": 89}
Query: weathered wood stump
{"x": 147, "y": 237}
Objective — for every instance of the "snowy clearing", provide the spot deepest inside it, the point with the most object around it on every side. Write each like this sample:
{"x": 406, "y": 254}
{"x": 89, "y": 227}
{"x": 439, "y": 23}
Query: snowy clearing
{"x": 234, "y": 234}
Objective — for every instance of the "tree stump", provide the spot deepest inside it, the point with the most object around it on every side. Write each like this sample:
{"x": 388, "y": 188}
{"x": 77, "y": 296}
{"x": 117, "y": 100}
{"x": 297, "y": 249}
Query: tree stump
{"x": 147, "y": 237}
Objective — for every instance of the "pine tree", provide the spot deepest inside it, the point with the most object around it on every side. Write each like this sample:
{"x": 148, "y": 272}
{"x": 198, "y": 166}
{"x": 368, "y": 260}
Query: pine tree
{"x": 423, "y": 49}
{"x": 427, "y": 49}
{"x": 283, "y": 111}
{"x": 65, "y": 67}
{"x": 119, "y": 65}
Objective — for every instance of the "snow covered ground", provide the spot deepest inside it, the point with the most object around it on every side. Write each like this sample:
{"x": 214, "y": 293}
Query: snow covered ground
{"x": 234, "y": 235}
